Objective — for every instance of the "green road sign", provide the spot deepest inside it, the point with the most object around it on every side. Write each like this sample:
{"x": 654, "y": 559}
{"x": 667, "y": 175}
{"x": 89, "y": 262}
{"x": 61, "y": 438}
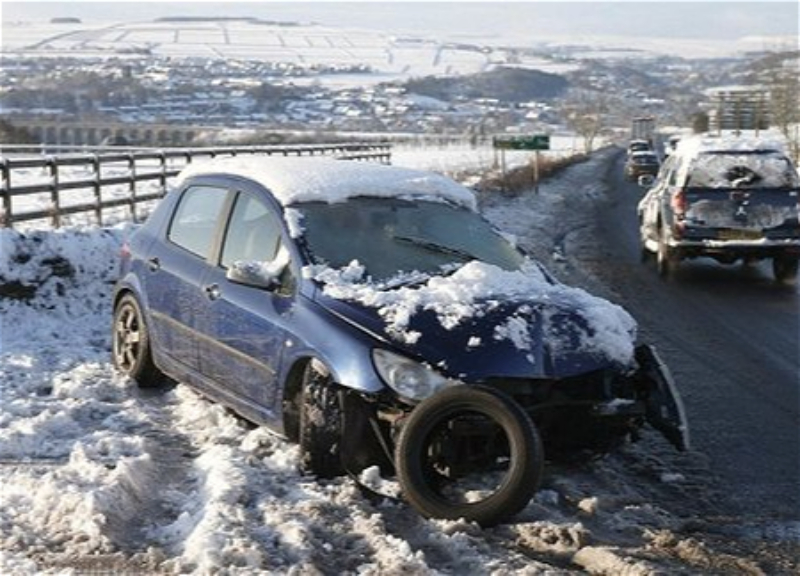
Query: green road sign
{"x": 535, "y": 142}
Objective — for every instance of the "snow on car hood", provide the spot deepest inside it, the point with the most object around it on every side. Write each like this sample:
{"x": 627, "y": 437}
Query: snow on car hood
{"x": 482, "y": 321}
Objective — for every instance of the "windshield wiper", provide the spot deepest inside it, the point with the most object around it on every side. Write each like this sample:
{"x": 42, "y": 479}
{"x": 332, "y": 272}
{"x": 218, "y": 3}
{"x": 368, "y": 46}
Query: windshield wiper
{"x": 434, "y": 247}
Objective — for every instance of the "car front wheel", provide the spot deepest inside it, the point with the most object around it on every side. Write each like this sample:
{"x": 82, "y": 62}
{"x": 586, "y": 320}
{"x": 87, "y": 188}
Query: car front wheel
{"x": 469, "y": 452}
{"x": 320, "y": 425}
{"x": 131, "y": 344}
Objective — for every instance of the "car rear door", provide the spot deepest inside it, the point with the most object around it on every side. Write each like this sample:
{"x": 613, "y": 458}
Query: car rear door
{"x": 242, "y": 326}
{"x": 177, "y": 264}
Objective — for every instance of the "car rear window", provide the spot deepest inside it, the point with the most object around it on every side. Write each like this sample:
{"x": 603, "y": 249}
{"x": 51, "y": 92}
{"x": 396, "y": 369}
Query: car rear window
{"x": 742, "y": 170}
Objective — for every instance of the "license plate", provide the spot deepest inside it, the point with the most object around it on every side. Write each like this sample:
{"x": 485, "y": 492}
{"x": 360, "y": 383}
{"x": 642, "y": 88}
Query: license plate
{"x": 740, "y": 235}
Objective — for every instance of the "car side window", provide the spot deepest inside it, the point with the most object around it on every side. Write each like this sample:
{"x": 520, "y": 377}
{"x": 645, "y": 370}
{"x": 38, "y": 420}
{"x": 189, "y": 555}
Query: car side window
{"x": 195, "y": 220}
{"x": 253, "y": 233}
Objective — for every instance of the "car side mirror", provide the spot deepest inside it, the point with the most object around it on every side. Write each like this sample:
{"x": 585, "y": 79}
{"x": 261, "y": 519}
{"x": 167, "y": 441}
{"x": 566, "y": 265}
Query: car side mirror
{"x": 253, "y": 274}
{"x": 646, "y": 180}
{"x": 265, "y": 275}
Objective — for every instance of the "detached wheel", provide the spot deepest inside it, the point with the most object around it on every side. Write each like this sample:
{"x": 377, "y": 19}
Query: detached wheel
{"x": 785, "y": 269}
{"x": 469, "y": 452}
{"x": 130, "y": 344}
{"x": 320, "y": 425}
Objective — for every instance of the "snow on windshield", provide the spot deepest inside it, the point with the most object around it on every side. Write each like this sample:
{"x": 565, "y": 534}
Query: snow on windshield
{"x": 294, "y": 180}
{"x": 476, "y": 286}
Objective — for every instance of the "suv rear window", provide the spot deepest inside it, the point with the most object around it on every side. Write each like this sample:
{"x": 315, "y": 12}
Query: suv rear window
{"x": 742, "y": 170}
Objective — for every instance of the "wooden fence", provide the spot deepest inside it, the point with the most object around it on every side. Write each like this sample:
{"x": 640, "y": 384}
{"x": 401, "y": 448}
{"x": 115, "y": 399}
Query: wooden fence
{"x": 84, "y": 188}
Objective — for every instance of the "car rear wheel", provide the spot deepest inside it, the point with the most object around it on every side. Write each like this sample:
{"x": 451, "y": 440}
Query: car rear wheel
{"x": 469, "y": 452}
{"x": 785, "y": 268}
{"x": 320, "y": 425}
{"x": 131, "y": 346}
{"x": 665, "y": 260}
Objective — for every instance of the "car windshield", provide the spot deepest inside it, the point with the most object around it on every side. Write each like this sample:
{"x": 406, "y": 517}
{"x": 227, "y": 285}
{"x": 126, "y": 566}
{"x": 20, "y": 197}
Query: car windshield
{"x": 392, "y": 236}
{"x": 742, "y": 170}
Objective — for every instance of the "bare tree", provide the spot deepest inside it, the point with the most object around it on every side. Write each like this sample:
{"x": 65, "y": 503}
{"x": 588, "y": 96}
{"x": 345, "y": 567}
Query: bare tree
{"x": 780, "y": 73}
{"x": 586, "y": 112}
{"x": 784, "y": 88}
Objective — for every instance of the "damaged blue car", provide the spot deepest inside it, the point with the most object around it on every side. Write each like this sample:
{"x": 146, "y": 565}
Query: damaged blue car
{"x": 370, "y": 314}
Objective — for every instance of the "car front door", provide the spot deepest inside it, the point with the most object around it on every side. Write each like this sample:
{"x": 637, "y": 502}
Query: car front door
{"x": 243, "y": 334}
{"x": 177, "y": 266}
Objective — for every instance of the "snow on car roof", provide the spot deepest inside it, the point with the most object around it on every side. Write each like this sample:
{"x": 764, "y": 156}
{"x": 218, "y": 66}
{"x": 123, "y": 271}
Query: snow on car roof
{"x": 692, "y": 146}
{"x": 294, "y": 180}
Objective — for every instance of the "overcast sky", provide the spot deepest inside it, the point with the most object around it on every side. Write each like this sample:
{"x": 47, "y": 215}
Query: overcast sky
{"x": 710, "y": 19}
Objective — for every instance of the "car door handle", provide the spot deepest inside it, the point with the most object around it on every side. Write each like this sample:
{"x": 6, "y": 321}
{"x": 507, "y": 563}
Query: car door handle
{"x": 154, "y": 264}
{"x": 212, "y": 291}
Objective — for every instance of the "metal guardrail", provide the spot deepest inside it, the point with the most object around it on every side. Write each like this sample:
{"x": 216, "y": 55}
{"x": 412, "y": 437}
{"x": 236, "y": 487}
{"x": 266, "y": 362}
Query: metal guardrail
{"x": 126, "y": 180}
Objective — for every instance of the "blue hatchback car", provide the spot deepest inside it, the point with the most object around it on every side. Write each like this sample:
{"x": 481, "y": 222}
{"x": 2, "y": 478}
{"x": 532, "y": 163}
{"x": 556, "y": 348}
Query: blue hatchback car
{"x": 370, "y": 314}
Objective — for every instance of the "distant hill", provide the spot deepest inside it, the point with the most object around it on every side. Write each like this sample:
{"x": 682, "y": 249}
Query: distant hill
{"x": 503, "y": 84}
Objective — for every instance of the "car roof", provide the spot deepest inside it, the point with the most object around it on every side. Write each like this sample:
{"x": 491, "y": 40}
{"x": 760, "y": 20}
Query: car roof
{"x": 307, "y": 179}
{"x": 694, "y": 146}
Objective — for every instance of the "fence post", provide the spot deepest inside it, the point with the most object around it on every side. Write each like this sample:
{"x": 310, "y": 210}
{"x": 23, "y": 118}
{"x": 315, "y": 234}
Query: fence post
{"x": 7, "y": 217}
{"x": 98, "y": 198}
{"x": 132, "y": 185}
{"x": 162, "y": 158}
{"x": 55, "y": 196}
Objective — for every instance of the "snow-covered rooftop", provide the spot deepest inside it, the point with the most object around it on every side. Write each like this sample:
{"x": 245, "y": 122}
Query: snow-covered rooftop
{"x": 294, "y": 180}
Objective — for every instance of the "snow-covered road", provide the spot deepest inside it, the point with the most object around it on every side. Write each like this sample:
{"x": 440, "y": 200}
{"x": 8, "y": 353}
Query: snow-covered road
{"x": 97, "y": 475}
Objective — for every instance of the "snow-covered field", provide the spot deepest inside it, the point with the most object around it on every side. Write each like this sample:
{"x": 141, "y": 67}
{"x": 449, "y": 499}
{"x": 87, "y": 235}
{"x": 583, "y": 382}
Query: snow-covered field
{"x": 97, "y": 475}
{"x": 391, "y": 55}
{"x": 302, "y": 46}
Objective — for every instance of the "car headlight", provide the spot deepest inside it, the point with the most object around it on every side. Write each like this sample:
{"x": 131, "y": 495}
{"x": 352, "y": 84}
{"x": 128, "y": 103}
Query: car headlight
{"x": 410, "y": 379}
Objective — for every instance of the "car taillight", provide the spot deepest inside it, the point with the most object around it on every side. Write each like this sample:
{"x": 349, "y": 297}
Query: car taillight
{"x": 679, "y": 203}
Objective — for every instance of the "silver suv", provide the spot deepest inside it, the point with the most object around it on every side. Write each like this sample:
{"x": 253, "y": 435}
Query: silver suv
{"x": 725, "y": 198}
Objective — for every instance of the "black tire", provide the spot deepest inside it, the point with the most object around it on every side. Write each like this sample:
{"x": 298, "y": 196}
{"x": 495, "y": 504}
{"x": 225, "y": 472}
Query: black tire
{"x": 665, "y": 259}
{"x": 785, "y": 269}
{"x": 320, "y": 425}
{"x": 131, "y": 350}
{"x": 420, "y": 461}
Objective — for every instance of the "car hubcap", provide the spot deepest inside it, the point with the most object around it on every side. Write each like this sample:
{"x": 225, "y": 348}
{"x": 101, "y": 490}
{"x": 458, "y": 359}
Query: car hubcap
{"x": 128, "y": 336}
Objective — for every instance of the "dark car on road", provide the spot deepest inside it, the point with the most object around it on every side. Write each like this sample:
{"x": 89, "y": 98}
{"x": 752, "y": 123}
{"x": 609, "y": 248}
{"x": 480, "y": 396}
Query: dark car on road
{"x": 641, "y": 163}
{"x": 731, "y": 199}
{"x": 370, "y": 314}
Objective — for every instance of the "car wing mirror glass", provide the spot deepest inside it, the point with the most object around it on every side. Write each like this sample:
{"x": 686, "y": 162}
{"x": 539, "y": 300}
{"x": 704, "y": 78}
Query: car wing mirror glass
{"x": 646, "y": 180}
{"x": 260, "y": 274}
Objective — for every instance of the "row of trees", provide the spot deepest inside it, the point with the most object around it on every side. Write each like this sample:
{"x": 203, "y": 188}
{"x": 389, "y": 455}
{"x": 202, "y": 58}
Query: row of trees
{"x": 592, "y": 113}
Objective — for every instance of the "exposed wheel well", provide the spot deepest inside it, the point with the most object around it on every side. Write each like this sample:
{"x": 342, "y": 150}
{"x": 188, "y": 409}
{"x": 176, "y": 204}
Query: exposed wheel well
{"x": 119, "y": 295}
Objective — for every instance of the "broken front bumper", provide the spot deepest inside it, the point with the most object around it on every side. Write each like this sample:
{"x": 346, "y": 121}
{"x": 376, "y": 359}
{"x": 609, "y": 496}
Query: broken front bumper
{"x": 664, "y": 409}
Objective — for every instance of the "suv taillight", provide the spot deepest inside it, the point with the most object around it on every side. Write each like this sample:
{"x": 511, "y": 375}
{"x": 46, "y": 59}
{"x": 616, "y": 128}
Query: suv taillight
{"x": 679, "y": 203}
